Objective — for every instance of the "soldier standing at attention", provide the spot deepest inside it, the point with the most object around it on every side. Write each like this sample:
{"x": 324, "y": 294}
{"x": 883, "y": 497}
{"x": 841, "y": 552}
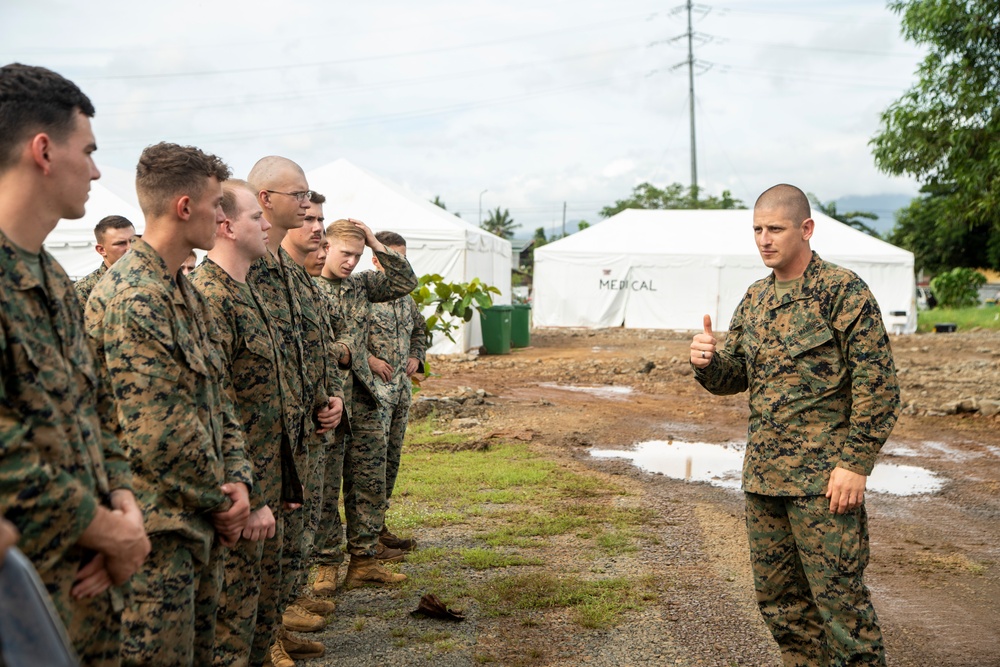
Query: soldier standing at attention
{"x": 397, "y": 347}
{"x": 65, "y": 482}
{"x": 809, "y": 343}
{"x": 283, "y": 194}
{"x": 363, "y": 470}
{"x": 250, "y": 357}
{"x": 114, "y": 238}
{"x": 154, "y": 332}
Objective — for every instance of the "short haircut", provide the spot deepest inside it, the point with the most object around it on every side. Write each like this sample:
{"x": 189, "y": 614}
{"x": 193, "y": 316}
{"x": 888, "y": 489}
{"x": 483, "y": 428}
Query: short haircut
{"x": 230, "y": 204}
{"x": 34, "y": 100}
{"x": 317, "y": 198}
{"x": 788, "y": 198}
{"x": 168, "y": 170}
{"x": 111, "y": 222}
{"x": 344, "y": 229}
{"x": 393, "y": 239}
{"x": 269, "y": 172}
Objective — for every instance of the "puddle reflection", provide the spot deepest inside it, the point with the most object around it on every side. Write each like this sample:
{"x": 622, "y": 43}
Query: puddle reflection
{"x": 722, "y": 465}
{"x": 603, "y": 391}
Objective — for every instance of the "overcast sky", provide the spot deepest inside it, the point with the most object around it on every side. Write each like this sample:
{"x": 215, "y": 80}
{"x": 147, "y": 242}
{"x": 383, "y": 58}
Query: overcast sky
{"x": 536, "y": 101}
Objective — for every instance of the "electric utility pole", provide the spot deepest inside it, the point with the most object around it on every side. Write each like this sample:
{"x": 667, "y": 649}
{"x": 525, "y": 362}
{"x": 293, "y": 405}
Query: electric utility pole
{"x": 690, "y": 64}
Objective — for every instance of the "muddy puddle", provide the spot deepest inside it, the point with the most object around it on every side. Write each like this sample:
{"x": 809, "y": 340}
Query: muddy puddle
{"x": 601, "y": 391}
{"x": 721, "y": 465}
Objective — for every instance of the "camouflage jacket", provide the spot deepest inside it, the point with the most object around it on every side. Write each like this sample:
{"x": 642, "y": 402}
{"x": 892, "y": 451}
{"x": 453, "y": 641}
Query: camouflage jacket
{"x": 84, "y": 286}
{"x": 351, "y": 299}
{"x": 823, "y": 387}
{"x": 255, "y": 379}
{"x": 57, "y": 465}
{"x": 397, "y": 332}
{"x": 279, "y": 296}
{"x": 153, "y": 331}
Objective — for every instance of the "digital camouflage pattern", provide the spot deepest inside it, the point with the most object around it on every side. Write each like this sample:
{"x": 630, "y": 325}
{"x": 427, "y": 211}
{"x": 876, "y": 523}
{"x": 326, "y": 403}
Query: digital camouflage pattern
{"x": 363, "y": 467}
{"x": 172, "y": 618}
{"x": 823, "y": 386}
{"x": 398, "y": 332}
{"x": 818, "y": 610}
{"x": 57, "y": 464}
{"x": 154, "y": 333}
{"x": 254, "y": 380}
{"x": 823, "y": 394}
{"x": 84, "y": 286}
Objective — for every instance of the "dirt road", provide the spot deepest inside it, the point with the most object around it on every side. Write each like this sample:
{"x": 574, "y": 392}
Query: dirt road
{"x": 934, "y": 570}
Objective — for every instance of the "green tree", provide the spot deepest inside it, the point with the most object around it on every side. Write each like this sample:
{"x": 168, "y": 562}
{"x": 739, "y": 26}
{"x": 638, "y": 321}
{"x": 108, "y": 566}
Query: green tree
{"x": 500, "y": 223}
{"x": 675, "y": 195}
{"x": 938, "y": 240}
{"x": 958, "y": 288}
{"x": 851, "y": 218}
{"x": 945, "y": 130}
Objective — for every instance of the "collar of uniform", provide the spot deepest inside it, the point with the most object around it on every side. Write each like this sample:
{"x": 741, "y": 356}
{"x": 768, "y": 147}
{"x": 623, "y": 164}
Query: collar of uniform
{"x": 805, "y": 287}
{"x": 12, "y": 265}
{"x": 220, "y": 275}
{"x": 145, "y": 255}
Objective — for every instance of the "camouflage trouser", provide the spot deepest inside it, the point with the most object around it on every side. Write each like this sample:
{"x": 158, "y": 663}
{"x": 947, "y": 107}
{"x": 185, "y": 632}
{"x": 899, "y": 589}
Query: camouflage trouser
{"x": 397, "y": 417}
{"x": 329, "y": 528}
{"x": 271, "y": 600}
{"x": 237, "y": 617}
{"x": 300, "y": 537}
{"x": 808, "y": 566}
{"x": 172, "y": 617}
{"x": 92, "y": 624}
{"x": 364, "y": 474}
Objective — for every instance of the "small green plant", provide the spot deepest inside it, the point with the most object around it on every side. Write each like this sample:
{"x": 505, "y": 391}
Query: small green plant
{"x": 958, "y": 288}
{"x": 454, "y": 303}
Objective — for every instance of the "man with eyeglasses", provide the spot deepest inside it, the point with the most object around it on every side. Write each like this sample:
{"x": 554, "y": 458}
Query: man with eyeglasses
{"x": 315, "y": 405}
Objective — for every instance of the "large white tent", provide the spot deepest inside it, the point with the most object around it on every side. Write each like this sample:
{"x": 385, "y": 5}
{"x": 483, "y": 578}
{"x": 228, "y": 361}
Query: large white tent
{"x": 72, "y": 241}
{"x": 664, "y": 269}
{"x": 436, "y": 241}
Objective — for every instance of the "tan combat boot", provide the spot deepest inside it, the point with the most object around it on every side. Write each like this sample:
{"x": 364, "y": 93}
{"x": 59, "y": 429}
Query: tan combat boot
{"x": 298, "y": 648}
{"x": 326, "y": 580}
{"x": 278, "y": 657}
{"x": 298, "y": 619}
{"x": 386, "y": 555}
{"x": 314, "y": 606}
{"x": 366, "y": 569}
{"x": 392, "y": 541}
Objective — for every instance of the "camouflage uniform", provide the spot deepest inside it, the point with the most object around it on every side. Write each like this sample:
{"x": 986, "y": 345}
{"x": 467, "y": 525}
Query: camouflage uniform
{"x": 823, "y": 394}
{"x": 255, "y": 384}
{"x": 322, "y": 380}
{"x": 154, "y": 333}
{"x": 363, "y": 469}
{"x": 398, "y": 332}
{"x": 57, "y": 465}
{"x": 279, "y": 297}
{"x": 84, "y": 286}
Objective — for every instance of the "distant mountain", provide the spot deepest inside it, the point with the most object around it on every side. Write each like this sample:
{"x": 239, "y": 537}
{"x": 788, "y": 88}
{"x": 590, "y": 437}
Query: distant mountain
{"x": 884, "y": 206}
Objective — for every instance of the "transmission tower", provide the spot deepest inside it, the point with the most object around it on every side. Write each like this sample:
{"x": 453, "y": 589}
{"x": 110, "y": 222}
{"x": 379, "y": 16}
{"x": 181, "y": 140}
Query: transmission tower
{"x": 691, "y": 62}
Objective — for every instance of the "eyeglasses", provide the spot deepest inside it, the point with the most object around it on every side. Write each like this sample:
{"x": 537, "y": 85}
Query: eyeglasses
{"x": 299, "y": 196}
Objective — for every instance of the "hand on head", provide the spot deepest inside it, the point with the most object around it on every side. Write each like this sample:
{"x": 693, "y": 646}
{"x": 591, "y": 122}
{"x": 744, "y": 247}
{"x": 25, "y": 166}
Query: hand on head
{"x": 703, "y": 345}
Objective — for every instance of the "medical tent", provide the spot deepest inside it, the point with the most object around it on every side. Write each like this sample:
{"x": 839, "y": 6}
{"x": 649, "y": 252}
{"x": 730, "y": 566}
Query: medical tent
{"x": 436, "y": 241}
{"x": 665, "y": 269}
{"x": 72, "y": 241}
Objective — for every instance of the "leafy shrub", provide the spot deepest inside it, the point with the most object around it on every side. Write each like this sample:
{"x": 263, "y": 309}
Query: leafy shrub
{"x": 958, "y": 288}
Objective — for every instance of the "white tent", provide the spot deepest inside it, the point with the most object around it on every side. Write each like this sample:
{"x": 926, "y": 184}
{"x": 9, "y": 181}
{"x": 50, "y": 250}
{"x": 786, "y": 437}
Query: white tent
{"x": 664, "y": 269}
{"x": 72, "y": 241}
{"x": 436, "y": 241}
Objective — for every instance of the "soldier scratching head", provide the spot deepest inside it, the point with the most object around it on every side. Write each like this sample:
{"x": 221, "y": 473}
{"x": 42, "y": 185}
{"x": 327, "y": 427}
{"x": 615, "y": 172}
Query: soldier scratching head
{"x": 347, "y": 243}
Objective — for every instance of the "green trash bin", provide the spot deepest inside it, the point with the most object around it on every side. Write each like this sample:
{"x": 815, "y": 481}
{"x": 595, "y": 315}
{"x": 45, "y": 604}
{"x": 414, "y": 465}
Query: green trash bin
{"x": 496, "y": 328}
{"x": 520, "y": 325}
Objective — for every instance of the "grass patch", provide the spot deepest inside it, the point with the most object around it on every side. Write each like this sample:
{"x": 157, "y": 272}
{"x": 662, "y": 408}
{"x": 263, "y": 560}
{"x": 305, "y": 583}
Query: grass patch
{"x": 986, "y": 317}
{"x": 952, "y": 563}
{"x": 425, "y": 433}
{"x": 594, "y": 604}
{"x": 485, "y": 559}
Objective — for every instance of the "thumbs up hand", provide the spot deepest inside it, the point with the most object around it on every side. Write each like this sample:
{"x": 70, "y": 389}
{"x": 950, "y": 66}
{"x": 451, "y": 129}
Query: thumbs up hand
{"x": 703, "y": 345}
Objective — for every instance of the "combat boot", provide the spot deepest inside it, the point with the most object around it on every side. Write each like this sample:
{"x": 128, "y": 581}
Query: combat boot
{"x": 367, "y": 570}
{"x": 387, "y": 538}
{"x": 300, "y": 649}
{"x": 278, "y": 657}
{"x": 314, "y": 606}
{"x": 326, "y": 580}
{"x": 386, "y": 555}
{"x": 298, "y": 619}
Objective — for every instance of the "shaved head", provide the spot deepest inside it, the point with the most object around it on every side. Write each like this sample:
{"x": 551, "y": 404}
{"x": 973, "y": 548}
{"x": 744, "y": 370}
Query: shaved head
{"x": 272, "y": 171}
{"x": 787, "y": 198}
